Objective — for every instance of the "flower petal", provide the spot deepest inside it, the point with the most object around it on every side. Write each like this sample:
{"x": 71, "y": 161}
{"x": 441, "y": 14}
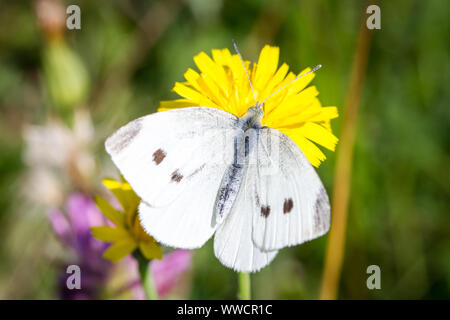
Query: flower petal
{"x": 221, "y": 56}
{"x": 302, "y": 82}
{"x": 174, "y": 104}
{"x": 119, "y": 250}
{"x": 213, "y": 92}
{"x": 150, "y": 249}
{"x": 275, "y": 82}
{"x": 117, "y": 217}
{"x": 191, "y": 77}
{"x": 294, "y": 105}
{"x": 193, "y": 95}
{"x": 207, "y": 66}
{"x": 110, "y": 234}
{"x": 326, "y": 113}
{"x": 124, "y": 193}
{"x": 266, "y": 67}
{"x": 319, "y": 135}
{"x": 309, "y": 149}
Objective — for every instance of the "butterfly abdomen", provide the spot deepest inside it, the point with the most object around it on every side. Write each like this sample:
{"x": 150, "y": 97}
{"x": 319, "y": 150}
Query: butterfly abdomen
{"x": 228, "y": 191}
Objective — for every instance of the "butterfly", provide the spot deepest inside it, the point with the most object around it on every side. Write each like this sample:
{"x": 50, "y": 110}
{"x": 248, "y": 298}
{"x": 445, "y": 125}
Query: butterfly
{"x": 202, "y": 171}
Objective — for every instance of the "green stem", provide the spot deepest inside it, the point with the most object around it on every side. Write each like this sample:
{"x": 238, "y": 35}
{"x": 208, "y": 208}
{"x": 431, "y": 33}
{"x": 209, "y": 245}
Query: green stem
{"x": 244, "y": 286}
{"x": 146, "y": 276}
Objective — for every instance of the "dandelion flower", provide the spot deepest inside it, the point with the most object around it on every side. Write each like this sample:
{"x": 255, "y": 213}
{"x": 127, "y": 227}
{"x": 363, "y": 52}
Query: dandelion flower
{"x": 296, "y": 111}
{"x": 128, "y": 234}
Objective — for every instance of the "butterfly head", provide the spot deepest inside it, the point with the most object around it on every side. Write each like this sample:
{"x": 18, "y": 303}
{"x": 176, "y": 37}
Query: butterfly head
{"x": 254, "y": 115}
{"x": 257, "y": 110}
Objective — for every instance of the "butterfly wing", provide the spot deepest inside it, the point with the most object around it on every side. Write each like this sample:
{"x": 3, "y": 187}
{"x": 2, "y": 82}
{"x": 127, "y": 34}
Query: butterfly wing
{"x": 290, "y": 204}
{"x": 159, "y": 154}
{"x": 233, "y": 244}
{"x": 175, "y": 160}
{"x": 188, "y": 221}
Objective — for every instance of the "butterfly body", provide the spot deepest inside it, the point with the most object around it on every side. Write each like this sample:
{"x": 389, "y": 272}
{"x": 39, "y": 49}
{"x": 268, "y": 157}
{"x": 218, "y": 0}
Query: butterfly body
{"x": 253, "y": 118}
{"x": 201, "y": 170}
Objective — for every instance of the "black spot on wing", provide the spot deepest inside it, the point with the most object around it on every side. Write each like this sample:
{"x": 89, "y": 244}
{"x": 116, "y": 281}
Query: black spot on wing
{"x": 159, "y": 155}
{"x": 321, "y": 212}
{"x": 176, "y": 176}
{"x": 265, "y": 211}
{"x": 288, "y": 205}
{"x": 122, "y": 138}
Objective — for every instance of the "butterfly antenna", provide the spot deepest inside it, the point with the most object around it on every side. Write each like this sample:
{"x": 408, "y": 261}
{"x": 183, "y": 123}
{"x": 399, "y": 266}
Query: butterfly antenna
{"x": 240, "y": 57}
{"x": 314, "y": 69}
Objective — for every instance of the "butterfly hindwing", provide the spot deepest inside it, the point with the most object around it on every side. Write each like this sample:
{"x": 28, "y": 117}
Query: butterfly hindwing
{"x": 233, "y": 244}
{"x": 188, "y": 221}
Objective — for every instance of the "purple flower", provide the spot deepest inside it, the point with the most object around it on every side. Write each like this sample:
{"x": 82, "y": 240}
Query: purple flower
{"x": 73, "y": 228}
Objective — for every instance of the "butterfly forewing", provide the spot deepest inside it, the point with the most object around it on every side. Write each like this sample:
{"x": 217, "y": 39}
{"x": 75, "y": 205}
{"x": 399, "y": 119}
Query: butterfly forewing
{"x": 290, "y": 205}
{"x": 175, "y": 160}
{"x": 160, "y": 153}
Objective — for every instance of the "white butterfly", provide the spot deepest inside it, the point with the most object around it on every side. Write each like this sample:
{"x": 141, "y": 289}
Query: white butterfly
{"x": 201, "y": 170}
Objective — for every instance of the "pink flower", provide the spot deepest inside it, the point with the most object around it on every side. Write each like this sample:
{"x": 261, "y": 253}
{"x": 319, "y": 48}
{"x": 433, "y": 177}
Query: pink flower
{"x": 166, "y": 272}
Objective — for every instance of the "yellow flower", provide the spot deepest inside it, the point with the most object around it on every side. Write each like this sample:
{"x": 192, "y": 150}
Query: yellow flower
{"x": 128, "y": 234}
{"x": 296, "y": 111}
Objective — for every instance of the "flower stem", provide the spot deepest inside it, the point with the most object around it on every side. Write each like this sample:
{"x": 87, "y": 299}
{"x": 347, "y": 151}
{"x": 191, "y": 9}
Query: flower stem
{"x": 244, "y": 286}
{"x": 146, "y": 276}
{"x": 342, "y": 177}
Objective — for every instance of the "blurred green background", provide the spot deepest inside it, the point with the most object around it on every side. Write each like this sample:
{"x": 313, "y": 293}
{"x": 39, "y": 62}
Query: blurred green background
{"x": 126, "y": 58}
